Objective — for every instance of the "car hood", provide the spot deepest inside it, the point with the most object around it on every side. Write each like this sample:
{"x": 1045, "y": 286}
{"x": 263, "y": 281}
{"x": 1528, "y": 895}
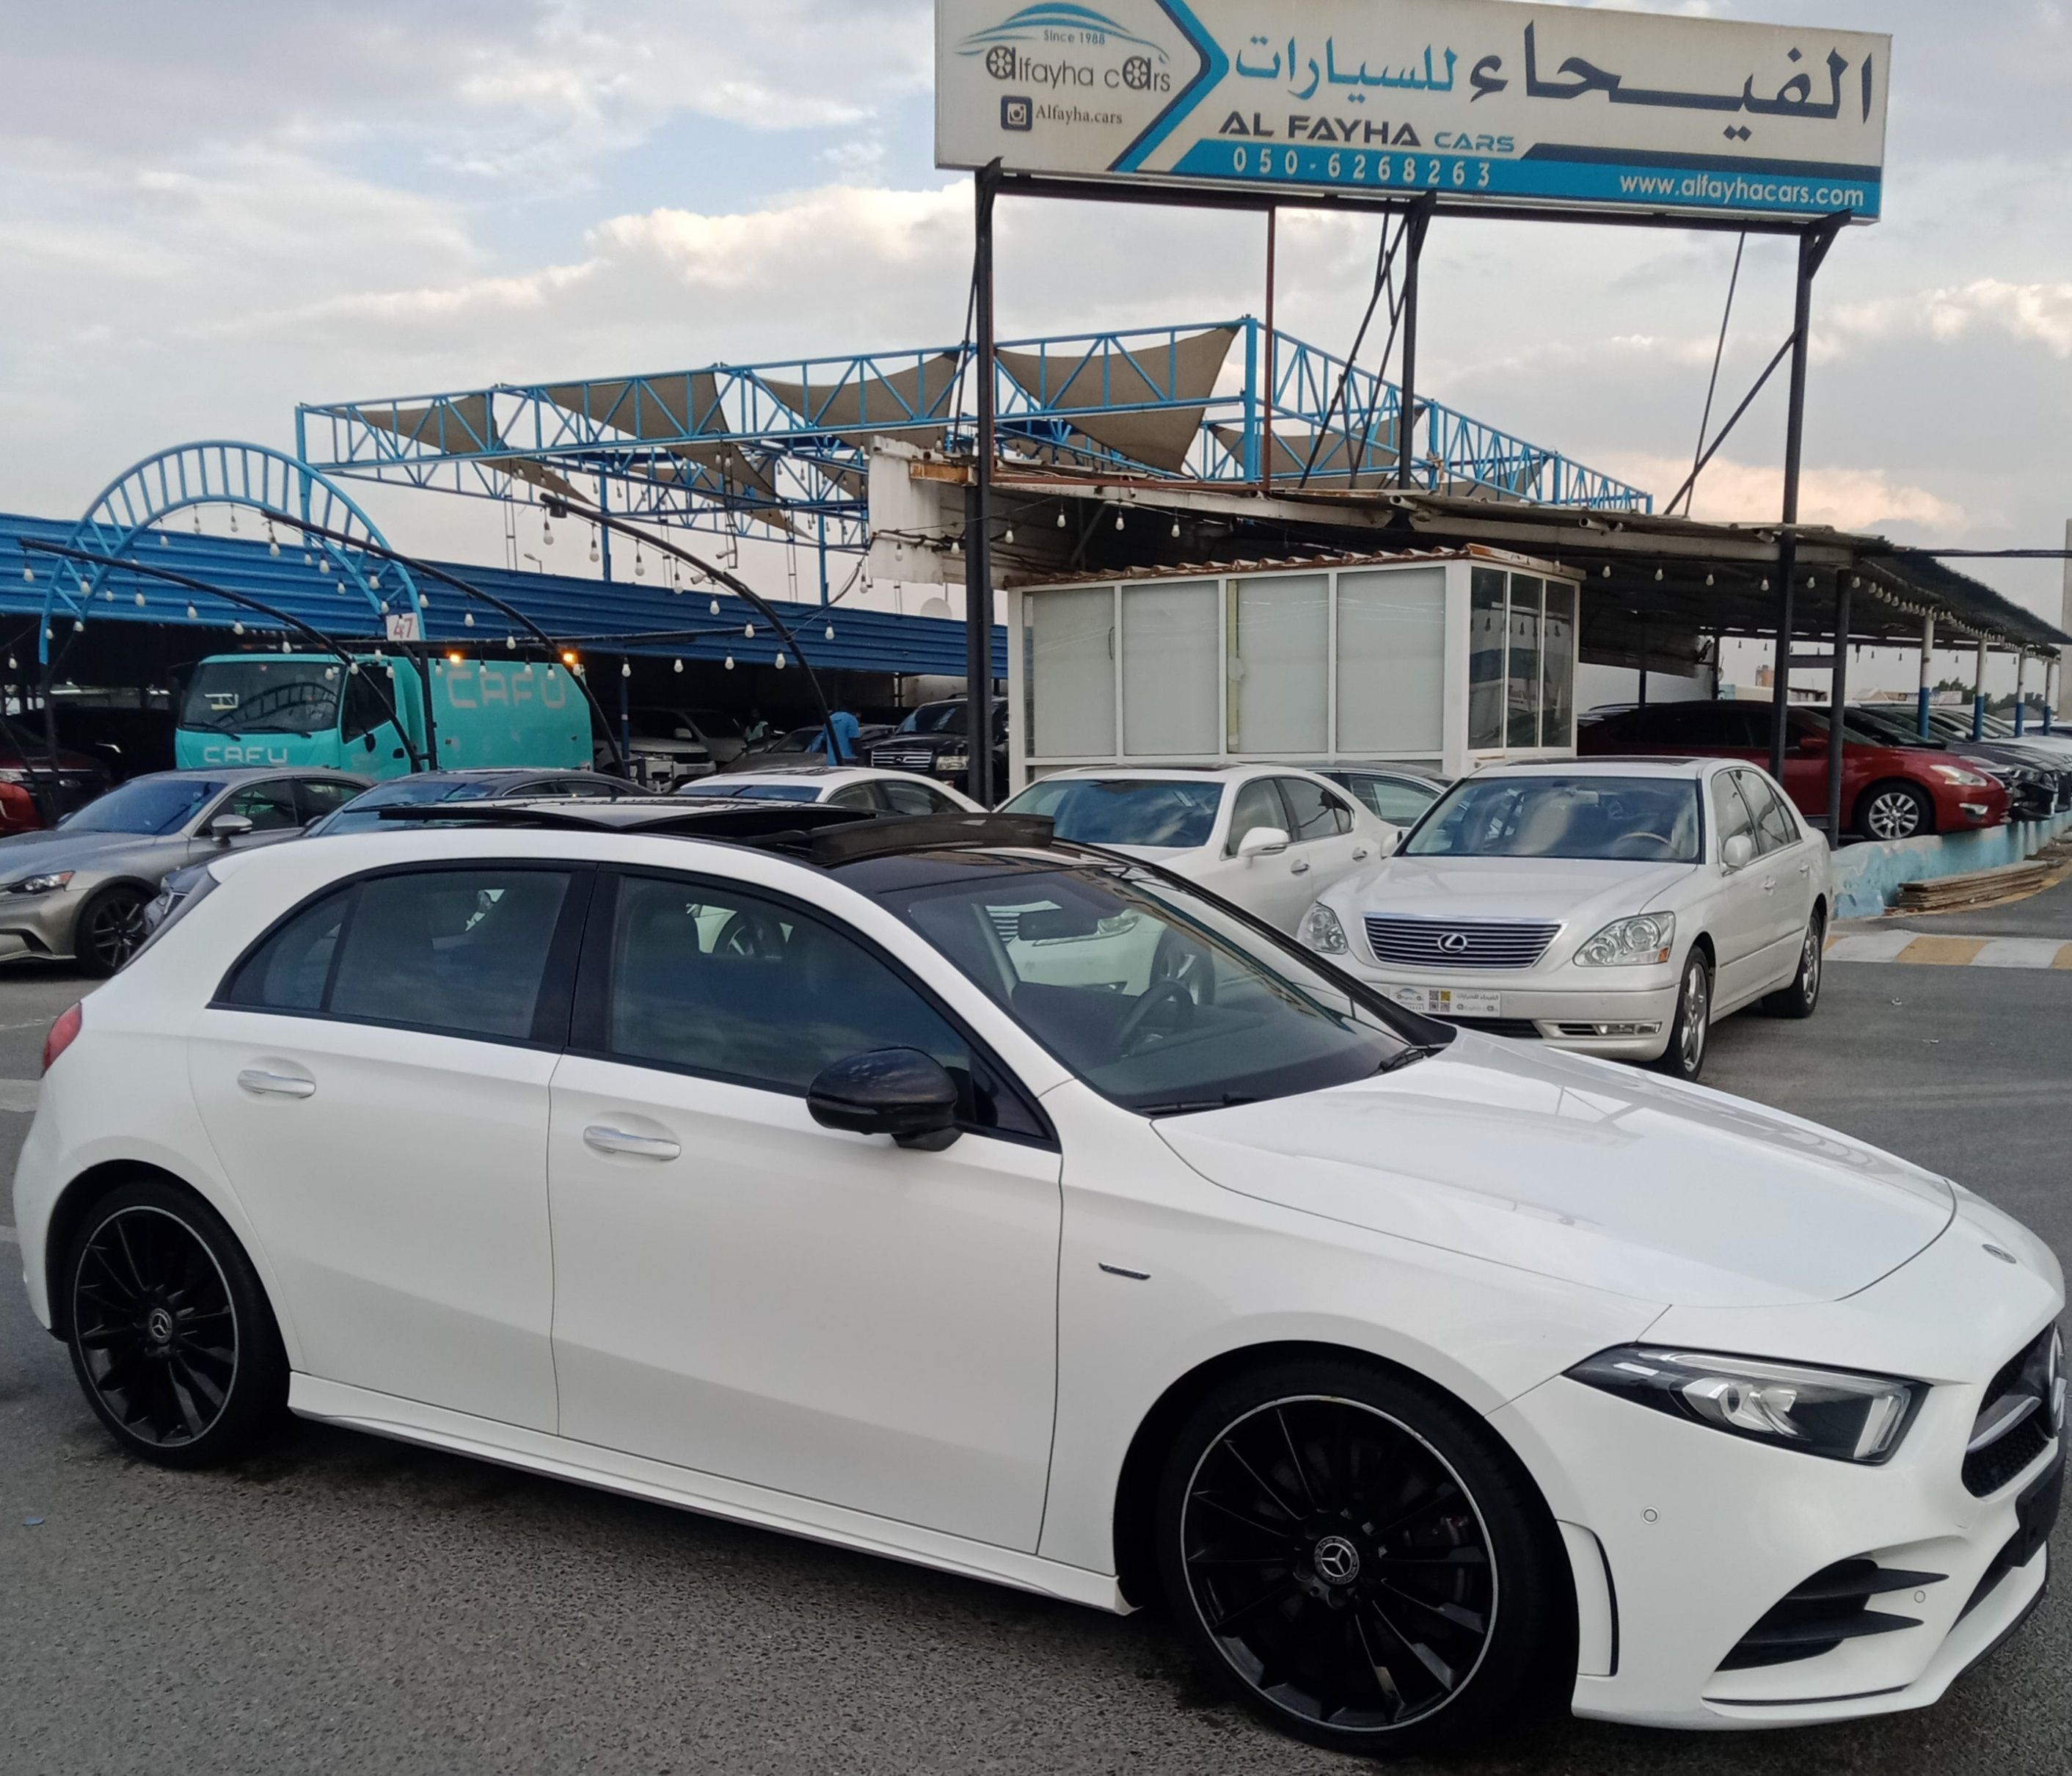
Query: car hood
{"x": 1579, "y": 1170}
{"x": 1507, "y": 888}
{"x": 28, "y": 853}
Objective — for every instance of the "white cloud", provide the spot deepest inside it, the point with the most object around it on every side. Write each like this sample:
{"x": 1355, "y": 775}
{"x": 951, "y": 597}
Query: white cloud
{"x": 2038, "y": 314}
{"x": 1848, "y": 498}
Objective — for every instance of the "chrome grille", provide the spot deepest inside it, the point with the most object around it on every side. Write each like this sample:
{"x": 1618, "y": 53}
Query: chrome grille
{"x": 1442, "y": 943}
{"x": 2020, "y": 1417}
{"x": 887, "y": 758}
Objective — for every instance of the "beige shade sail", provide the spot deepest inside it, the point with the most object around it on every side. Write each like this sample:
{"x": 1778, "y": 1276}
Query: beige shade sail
{"x": 652, "y": 408}
{"x": 524, "y": 468}
{"x": 460, "y": 426}
{"x": 856, "y": 409}
{"x": 1184, "y": 371}
{"x": 1339, "y": 453}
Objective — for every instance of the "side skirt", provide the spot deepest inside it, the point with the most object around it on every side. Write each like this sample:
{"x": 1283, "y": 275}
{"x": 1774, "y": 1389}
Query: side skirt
{"x": 635, "y": 1477}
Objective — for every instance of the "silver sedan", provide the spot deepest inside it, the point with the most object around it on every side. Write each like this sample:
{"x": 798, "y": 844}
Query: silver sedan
{"x": 79, "y": 891}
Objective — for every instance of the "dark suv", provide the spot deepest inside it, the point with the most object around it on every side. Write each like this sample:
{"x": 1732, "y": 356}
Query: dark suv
{"x": 1888, "y": 791}
{"x": 933, "y": 742}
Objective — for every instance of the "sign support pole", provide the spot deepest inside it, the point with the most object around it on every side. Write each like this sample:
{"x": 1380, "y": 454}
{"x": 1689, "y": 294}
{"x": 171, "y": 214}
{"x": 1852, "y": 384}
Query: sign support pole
{"x": 978, "y": 518}
{"x": 1416, "y": 221}
{"x": 1813, "y": 245}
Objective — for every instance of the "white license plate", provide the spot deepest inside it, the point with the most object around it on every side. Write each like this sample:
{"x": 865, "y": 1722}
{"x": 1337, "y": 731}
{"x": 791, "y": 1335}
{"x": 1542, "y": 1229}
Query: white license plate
{"x": 1444, "y": 1002}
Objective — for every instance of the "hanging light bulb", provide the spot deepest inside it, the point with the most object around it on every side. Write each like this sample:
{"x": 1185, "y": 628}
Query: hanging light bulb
{"x": 680, "y": 666}
{"x": 29, "y": 574}
{"x": 729, "y": 662}
{"x": 384, "y": 607}
{"x": 374, "y": 579}
{"x": 625, "y": 668}
{"x": 78, "y": 627}
{"x": 1061, "y": 517}
{"x": 639, "y": 566}
{"x": 162, "y": 543}
{"x": 193, "y": 614}
{"x": 748, "y": 629}
{"x": 197, "y": 518}
{"x": 237, "y": 627}
{"x": 467, "y": 619}
{"x": 1708, "y": 580}
{"x": 715, "y": 607}
{"x": 233, "y": 522}
{"x": 780, "y": 661}
{"x": 140, "y": 601}
{"x": 272, "y": 542}
{"x": 830, "y": 632}
{"x": 511, "y": 644}
{"x": 546, "y": 534}
{"x": 1176, "y": 529}
{"x": 323, "y": 566}
{"x": 1118, "y": 521}
{"x": 309, "y": 560}
{"x": 593, "y": 547}
{"x": 12, "y": 666}
{"x": 1008, "y": 535}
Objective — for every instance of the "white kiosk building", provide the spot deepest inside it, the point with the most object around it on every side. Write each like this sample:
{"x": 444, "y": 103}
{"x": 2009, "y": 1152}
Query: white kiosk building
{"x": 1444, "y": 659}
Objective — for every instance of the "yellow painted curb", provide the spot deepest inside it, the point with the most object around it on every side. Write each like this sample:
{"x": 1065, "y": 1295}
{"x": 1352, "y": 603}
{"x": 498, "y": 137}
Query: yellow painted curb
{"x": 1944, "y": 952}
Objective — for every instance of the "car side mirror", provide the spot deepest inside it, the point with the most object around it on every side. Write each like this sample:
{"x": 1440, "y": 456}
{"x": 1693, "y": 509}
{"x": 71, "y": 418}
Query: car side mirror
{"x": 1263, "y": 842}
{"x": 898, "y": 1092}
{"x": 367, "y": 739}
{"x": 1738, "y": 852}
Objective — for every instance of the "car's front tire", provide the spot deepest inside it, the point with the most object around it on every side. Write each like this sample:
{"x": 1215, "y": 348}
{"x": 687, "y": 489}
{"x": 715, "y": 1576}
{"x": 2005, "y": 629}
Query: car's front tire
{"x": 171, "y": 1338}
{"x": 111, "y": 930}
{"x": 1357, "y": 1558}
{"x": 1801, "y": 998}
{"x": 1895, "y": 810}
{"x": 1690, "y": 1029}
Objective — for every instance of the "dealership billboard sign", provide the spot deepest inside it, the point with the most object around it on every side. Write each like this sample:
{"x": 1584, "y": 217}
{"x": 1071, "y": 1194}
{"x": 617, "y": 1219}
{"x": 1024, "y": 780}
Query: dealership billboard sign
{"x": 1473, "y": 100}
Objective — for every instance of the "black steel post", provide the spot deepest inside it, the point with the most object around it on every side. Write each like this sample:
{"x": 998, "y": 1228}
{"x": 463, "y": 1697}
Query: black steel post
{"x": 1837, "y": 712}
{"x": 1416, "y": 221}
{"x": 978, "y": 521}
{"x": 1813, "y": 245}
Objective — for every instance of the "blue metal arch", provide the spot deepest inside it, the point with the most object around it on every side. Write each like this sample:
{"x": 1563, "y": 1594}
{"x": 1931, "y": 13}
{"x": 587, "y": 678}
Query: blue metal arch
{"x": 222, "y": 472}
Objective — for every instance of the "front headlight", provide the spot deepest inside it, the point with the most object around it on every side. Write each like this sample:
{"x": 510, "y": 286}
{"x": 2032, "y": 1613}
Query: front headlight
{"x": 1958, "y": 775}
{"x": 1830, "y": 1412}
{"x": 39, "y": 884}
{"x": 1631, "y": 943}
{"x": 953, "y": 761}
{"x": 1322, "y": 932}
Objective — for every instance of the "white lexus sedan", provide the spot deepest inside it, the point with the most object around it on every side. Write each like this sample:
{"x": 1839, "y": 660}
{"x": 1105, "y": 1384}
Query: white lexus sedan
{"x": 1267, "y": 838}
{"x": 1615, "y": 908}
{"x": 856, "y": 786}
{"x": 809, "y": 1169}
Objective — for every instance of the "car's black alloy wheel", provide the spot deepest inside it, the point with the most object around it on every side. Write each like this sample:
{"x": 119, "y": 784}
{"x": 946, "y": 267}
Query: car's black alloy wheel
{"x": 171, "y": 1335}
{"x": 1801, "y": 998}
{"x": 112, "y": 929}
{"x": 1355, "y": 1560}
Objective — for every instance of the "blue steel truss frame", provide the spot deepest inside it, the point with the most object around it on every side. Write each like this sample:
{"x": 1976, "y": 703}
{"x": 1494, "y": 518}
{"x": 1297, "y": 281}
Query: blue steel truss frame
{"x": 780, "y": 448}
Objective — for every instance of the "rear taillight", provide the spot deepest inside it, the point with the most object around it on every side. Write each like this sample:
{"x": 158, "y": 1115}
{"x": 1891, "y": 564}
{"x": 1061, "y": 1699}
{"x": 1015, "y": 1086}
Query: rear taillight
{"x": 61, "y": 1036}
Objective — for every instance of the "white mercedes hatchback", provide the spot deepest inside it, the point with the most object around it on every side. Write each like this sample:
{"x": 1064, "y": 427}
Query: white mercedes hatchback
{"x": 1616, "y": 907}
{"x": 941, "y": 1190}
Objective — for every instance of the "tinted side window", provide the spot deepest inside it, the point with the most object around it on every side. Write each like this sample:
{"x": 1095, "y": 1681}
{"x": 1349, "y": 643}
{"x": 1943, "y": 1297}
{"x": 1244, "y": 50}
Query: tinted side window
{"x": 1399, "y": 804}
{"x": 1258, "y": 805}
{"x": 1730, "y": 814}
{"x": 1312, "y": 811}
{"x": 913, "y": 799}
{"x": 269, "y": 806}
{"x": 707, "y": 978}
{"x": 1776, "y": 826}
{"x": 290, "y": 972}
{"x": 365, "y": 711}
{"x": 319, "y": 797}
{"x": 465, "y": 951}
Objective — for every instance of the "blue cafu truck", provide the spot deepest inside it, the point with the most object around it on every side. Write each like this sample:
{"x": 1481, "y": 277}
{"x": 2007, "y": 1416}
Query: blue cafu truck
{"x": 314, "y": 710}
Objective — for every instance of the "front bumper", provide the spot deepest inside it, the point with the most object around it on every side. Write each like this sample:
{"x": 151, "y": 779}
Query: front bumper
{"x": 1682, "y": 1538}
{"x": 41, "y": 924}
{"x": 1619, "y": 1013}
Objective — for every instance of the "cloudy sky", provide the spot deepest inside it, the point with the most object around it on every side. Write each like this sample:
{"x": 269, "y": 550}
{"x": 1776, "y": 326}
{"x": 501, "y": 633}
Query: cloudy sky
{"x": 209, "y": 212}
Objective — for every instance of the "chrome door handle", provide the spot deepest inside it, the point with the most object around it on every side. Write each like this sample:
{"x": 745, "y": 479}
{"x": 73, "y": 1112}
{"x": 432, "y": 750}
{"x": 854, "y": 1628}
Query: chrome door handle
{"x": 263, "y": 1084}
{"x": 1770, "y": 884}
{"x": 1298, "y": 869}
{"x": 1360, "y": 856}
{"x": 646, "y": 1147}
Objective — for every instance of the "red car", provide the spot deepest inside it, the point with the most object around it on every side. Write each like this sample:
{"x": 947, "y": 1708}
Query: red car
{"x": 1887, "y": 792}
{"x": 22, "y": 782}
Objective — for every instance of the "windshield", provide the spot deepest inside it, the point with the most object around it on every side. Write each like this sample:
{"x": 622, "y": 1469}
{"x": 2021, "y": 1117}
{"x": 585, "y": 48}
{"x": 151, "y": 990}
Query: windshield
{"x": 153, "y": 806}
{"x": 936, "y": 719}
{"x": 362, "y": 813}
{"x": 1157, "y": 996}
{"x": 1641, "y": 820}
{"x": 1171, "y": 816}
{"x": 256, "y": 696}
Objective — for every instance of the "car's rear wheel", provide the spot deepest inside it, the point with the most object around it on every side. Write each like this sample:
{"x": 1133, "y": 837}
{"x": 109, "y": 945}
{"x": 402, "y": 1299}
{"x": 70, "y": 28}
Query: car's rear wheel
{"x": 1801, "y": 998}
{"x": 171, "y": 1334}
{"x": 1691, "y": 1031}
{"x": 1356, "y": 1558}
{"x": 1895, "y": 810}
{"x": 111, "y": 930}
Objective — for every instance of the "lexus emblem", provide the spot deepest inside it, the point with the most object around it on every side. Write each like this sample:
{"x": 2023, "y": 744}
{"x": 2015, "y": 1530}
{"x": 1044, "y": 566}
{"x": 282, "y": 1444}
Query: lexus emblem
{"x": 1454, "y": 943}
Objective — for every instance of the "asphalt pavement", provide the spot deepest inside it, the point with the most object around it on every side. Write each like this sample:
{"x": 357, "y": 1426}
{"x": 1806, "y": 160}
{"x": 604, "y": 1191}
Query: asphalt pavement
{"x": 342, "y": 1604}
